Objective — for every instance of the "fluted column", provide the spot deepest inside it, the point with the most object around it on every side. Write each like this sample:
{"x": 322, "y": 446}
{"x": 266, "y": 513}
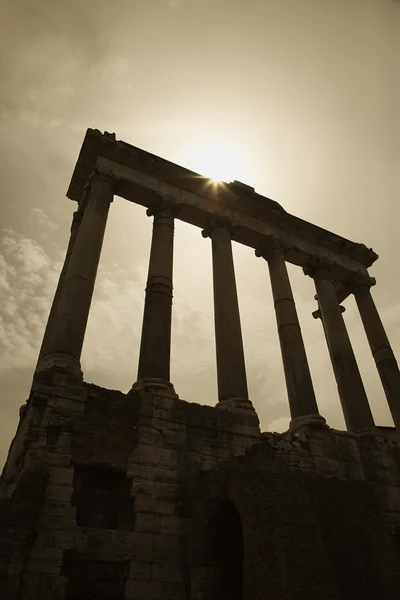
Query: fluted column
{"x": 155, "y": 347}
{"x": 380, "y": 346}
{"x": 231, "y": 371}
{"x": 303, "y": 405}
{"x": 356, "y": 409}
{"x": 68, "y": 325}
{"x": 76, "y": 221}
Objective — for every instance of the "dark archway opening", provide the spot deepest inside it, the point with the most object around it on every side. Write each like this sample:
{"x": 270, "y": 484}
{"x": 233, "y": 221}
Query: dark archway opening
{"x": 228, "y": 554}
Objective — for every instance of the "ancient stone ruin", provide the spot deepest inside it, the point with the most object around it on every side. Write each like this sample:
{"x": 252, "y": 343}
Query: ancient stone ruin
{"x": 145, "y": 496}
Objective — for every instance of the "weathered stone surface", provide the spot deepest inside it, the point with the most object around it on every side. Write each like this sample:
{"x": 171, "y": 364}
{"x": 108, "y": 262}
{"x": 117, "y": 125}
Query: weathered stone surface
{"x": 140, "y": 547}
{"x": 140, "y": 571}
{"x": 296, "y": 495}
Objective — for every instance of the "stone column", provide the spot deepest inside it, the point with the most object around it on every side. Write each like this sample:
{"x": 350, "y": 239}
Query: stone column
{"x": 380, "y": 346}
{"x": 68, "y": 325}
{"x": 303, "y": 405}
{"x": 155, "y": 346}
{"x": 356, "y": 409}
{"x": 231, "y": 370}
{"x": 76, "y": 221}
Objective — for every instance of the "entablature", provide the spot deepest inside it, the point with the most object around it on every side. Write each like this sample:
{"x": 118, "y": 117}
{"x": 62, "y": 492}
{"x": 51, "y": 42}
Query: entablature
{"x": 142, "y": 177}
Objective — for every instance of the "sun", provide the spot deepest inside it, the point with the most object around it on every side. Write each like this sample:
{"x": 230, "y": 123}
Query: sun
{"x": 216, "y": 160}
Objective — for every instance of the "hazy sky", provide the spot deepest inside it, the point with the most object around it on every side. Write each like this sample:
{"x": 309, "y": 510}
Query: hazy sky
{"x": 298, "y": 98}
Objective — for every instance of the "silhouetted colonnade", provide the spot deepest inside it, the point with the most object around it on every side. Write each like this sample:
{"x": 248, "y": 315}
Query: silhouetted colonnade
{"x": 63, "y": 339}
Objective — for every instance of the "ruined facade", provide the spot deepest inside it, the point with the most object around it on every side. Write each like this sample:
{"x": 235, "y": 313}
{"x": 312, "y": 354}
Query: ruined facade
{"x": 145, "y": 496}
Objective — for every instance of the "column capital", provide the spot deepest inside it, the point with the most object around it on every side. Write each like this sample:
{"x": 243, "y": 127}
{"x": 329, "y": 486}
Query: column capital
{"x": 98, "y": 175}
{"x": 269, "y": 244}
{"x": 216, "y": 222}
{"x": 360, "y": 280}
{"x": 318, "y": 268}
{"x": 164, "y": 203}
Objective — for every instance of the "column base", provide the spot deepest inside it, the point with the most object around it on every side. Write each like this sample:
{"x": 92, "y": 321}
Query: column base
{"x": 60, "y": 363}
{"x": 155, "y": 385}
{"x": 370, "y": 432}
{"x": 242, "y": 409}
{"x": 314, "y": 421}
{"x": 235, "y": 404}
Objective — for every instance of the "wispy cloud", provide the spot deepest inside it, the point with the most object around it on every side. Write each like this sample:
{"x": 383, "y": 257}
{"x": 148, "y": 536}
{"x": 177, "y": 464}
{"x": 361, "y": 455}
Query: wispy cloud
{"x": 27, "y": 281}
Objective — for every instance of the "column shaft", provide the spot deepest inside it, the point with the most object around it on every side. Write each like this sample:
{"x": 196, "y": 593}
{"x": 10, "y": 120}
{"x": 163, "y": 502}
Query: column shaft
{"x": 231, "y": 370}
{"x": 356, "y": 409}
{"x": 155, "y": 347}
{"x": 67, "y": 331}
{"x": 76, "y": 221}
{"x": 297, "y": 373}
{"x": 381, "y": 350}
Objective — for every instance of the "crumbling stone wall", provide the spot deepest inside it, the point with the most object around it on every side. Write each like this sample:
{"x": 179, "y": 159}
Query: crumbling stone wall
{"x": 114, "y": 496}
{"x": 319, "y": 514}
{"x": 96, "y": 480}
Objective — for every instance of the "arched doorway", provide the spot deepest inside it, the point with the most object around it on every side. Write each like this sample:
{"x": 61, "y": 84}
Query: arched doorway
{"x": 228, "y": 554}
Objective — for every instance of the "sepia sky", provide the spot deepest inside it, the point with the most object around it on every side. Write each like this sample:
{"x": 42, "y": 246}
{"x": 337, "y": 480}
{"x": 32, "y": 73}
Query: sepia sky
{"x": 298, "y": 98}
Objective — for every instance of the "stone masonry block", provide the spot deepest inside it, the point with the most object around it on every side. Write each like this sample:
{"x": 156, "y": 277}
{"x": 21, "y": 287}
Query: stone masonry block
{"x": 170, "y": 524}
{"x": 139, "y": 547}
{"x": 46, "y": 567}
{"x": 45, "y": 537}
{"x": 63, "y": 445}
{"x": 149, "y": 435}
{"x": 140, "y": 571}
{"x": 245, "y": 430}
{"x": 165, "y": 507}
{"x": 55, "y": 459}
{"x": 61, "y": 476}
{"x": 145, "y": 504}
{"x": 209, "y": 463}
{"x": 166, "y": 491}
{"x": 326, "y": 466}
{"x": 148, "y": 410}
{"x": 27, "y": 591}
{"x": 239, "y": 448}
{"x": 165, "y": 475}
{"x": 168, "y": 548}
{"x": 15, "y": 568}
{"x": 149, "y": 455}
{"x": 66, "y": 405}
{"x": 52, "y": 587}
{"x": 170, "y": 458}
{"x": 64, "y": 539}
{"x": 392, "y": 497}
{"x": 51, "y": 554}
{"x": 142, "y": 487}
{"x": 144, "y": 590}
{"x": 174, "y": 439}
{"x": 59, "y": 493}
{"x": 178, "y": 416}
{"x": 138, "y": 471}
{"x": 202, "y": 596}
{"x": 164, "y": 402}
{"x": 168, "y": 573}
{"x": 147, "y": 523}
{"x": 57, "y": 515}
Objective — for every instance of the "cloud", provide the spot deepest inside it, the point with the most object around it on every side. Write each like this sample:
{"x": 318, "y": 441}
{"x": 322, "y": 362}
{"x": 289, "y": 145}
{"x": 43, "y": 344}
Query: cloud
{"x": 28, "y": 278}
{"x": 279, "y": 425}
